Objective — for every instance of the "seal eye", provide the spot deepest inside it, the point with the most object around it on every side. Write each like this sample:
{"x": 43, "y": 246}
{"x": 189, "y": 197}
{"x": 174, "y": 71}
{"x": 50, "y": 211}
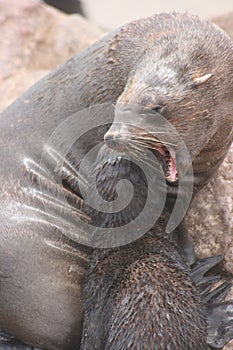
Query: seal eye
{"x": 157, "y": 108}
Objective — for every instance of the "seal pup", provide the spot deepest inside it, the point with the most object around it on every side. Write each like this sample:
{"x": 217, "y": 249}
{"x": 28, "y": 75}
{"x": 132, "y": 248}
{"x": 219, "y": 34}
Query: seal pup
{"x": 145, "y": 295}
{"x": 147, "y": 298}
{"x": 42, "y": 270}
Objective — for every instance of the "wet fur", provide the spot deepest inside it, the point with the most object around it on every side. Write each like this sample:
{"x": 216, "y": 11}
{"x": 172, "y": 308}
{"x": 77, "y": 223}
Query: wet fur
{"x": 145, "y": 299}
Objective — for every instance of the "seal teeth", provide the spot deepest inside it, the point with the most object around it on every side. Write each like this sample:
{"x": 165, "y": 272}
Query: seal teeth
{"x": 168, "y": 162}
{"x": 169, "y": 165}
{"x": 170, "y": 171}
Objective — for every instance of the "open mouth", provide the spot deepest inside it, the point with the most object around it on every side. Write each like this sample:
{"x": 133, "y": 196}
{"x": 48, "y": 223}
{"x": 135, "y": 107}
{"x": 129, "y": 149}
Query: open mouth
{"x": 165, "y": 154}
{"x": 167, "y": 159}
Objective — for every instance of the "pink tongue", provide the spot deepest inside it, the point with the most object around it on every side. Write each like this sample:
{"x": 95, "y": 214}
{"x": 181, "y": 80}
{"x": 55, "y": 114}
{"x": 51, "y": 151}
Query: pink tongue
{"x": 173, "y": 172}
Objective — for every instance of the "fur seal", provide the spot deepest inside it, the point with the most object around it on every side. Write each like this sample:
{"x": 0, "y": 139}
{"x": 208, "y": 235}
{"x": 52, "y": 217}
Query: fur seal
{"x": 42, "y": 270}
{"x": 148, "y": 298}
{"x": 144, "y": 295}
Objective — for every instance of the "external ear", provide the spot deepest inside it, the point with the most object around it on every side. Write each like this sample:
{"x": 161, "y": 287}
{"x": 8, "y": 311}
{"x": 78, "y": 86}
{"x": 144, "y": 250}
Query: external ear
{"x": 198, "y": 80}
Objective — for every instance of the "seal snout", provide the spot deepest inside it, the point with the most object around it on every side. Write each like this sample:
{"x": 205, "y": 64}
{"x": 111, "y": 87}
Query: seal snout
{"x": 125, "y": 126}
{"x": 117, "y": 136}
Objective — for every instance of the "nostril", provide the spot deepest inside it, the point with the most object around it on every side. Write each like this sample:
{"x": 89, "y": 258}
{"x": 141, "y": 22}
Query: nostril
{"x": 109, "y": 139}
{"x": 116, "y": 141}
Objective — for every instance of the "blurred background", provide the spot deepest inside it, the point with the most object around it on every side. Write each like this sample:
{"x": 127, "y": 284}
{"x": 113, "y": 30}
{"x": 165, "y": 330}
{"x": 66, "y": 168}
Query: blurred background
{"x": 36, "y": 37}
{"x": 111, "y": 14}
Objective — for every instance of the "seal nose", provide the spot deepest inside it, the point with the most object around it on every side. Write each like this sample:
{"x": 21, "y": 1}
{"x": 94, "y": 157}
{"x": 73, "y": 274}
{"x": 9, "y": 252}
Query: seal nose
{"x": 116, "y": 137}
{"x": 123, "y": 127}
{"x": 110, "y": 139}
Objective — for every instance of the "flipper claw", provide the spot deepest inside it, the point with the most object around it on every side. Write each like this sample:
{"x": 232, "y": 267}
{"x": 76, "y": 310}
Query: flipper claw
{"x": 219, "y": 313}
{"x": 220, "y": 324}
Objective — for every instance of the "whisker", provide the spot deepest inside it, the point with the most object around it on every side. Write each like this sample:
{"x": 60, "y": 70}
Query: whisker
{"x": 145, "y": 159}
{"x": 143, "y": 140}
{"x": 150, "y": 144}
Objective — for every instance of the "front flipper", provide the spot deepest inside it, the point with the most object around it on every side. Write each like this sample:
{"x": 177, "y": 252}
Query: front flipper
{"x": 184, "y": 243}
{"x": 219, "y": 313}
{"x": 199, "y": 270}
{"x": 220, "y": 324}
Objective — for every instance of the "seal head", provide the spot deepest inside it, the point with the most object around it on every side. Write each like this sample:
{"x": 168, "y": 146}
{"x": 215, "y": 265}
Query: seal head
{"x": 183, "y": 79}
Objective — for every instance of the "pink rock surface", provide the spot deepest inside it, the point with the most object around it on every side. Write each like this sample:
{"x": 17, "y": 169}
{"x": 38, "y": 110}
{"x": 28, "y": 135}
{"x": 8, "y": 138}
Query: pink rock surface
{"x": 35, "y": 38}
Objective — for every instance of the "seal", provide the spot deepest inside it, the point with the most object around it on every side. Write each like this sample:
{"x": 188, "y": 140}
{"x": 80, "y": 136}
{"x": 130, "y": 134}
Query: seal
{"x": 147, "y": 284}
{"x": 183, "y": 84}
{"x": 42, "y": 269}
{"x": 145, "y": 294}
{"x": 147, "y": 297}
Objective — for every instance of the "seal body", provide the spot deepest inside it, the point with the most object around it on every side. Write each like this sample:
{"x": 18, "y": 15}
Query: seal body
{"x": 42, "y": 268}
{"x": 145, "y": 294}
{"x": 146, "y": 298}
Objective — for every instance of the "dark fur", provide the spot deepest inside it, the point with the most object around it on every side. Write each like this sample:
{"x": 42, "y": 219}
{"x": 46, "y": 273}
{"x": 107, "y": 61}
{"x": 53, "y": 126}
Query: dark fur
{"x": 145, "y": 298}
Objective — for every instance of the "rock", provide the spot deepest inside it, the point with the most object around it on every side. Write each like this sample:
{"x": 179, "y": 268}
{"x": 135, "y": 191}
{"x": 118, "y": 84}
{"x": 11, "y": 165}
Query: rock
{"x": 210, "y": 218}
{"x": 35, "y": 38}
